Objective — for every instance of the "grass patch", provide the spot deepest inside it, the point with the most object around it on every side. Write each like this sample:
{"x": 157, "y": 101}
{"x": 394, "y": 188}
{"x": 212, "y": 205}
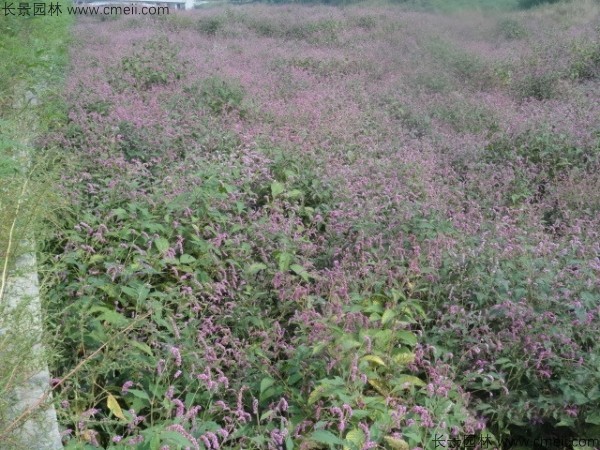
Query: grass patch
{"x": 34, "y": 55}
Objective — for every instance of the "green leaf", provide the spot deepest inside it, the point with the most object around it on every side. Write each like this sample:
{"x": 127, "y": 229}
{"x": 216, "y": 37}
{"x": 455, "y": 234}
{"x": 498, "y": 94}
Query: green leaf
{"x": 410, "y": 379}
{"x": 143, "y": 347}
{"x": 114, "y": 407}
{"x": 301, "y": 271}
{"x": 289, "y": 443}
{"x": 387, "y": 316}
{"x": 593, "y": 418}
{"x": 316, "y": 394}
{"x": 265, "y": 384}
{"x": 295, "y": 193}
{"x": 161, "y": 244}
{"x": 139, "y": 394}
{"x": 326, "y": 437}
{"x": 284, "y": 260}
{"x": 356, "y": 438}
{"x": 566, "y": 422}
{"x": 374, "y": 359}
{"x": 396, "y": 443}
{"x": 406, "y": 337}
{"x": 119, "y": 213}
{"x": 174, "y": 438}
{"x": 404, "y": 358}
{"x": 277, "y": 188}
{"x": 110, "y": 316}
{"x": 186, "y": 259}
{"x": 255, "y": 268}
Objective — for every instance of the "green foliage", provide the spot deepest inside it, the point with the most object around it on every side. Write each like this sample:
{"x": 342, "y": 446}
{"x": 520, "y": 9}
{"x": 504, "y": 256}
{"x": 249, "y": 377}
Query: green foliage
{"x": 325, "y": 67}
{"x": 519, "y": 399}
{"x": 222, "y": 96}
{"x": 510, "y": 28}
{"x": 435, "y": 82}
{"x": 157, "y": 63}
{"x": 465, "y": 67}
{"x": 549, "y": 152}
{"x": 33, "y": 51}
{"x": 466, "y": 118}
{"x": 586, "y": 60}
{"x": 533, "y": 3}
{"x": 550, "y": 156}
{"x": 383, "y": 351}
{"x": 417, "y": 123}
{"x": 538, "y": 86}
{"x": 210, "y": 25}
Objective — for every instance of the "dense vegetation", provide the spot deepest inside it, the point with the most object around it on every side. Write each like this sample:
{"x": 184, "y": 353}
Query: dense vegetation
{"x": 313, "y": 227}
{"x": 33, "y": 55}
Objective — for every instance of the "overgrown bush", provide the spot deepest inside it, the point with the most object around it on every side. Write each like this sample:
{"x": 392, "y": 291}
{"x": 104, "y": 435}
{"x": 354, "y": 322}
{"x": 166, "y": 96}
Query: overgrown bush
{"x": 586, "y": 61}
{"x": 155, "y": 64}
{"x": 511, "y": 29}
{"x": 538, "y": 86}
{"x": 222, "y": 96}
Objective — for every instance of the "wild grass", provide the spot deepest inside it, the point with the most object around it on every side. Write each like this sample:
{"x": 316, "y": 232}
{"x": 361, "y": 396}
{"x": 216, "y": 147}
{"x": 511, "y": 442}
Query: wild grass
{"x": 34, "y": 55}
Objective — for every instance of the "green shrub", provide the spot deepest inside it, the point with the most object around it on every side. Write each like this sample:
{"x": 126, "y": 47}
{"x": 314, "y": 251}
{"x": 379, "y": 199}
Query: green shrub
{"x": 537, "y": 361}
{"x": 464, "y": 117}
{"x": 586, "y": 61}
{"x": 539, "y": 161}
{"x": 211, "y": 25}
{"x": 541, "y": 87}
{"x": 510, "y": 28}
{"x": 157, "y": 63}
{"x": 418, "y": 124}
{"x": 435, "y": 82}
{"x": 466, "y": 67}
{"x": 222, "y": 96}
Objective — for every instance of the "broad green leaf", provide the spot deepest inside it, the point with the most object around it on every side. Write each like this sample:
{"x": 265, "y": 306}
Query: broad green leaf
{"x": 289, "y": 442}
{"x": 410, "y": 379}
{"x": 162, "y": 245}
{"x": 285, "y": 259}
{"x": 356, "y": 438}
{"x": 139, "y": 394}
{"x": 406, "y": 337}
{"x": 174, "y": 438}
{"x": 404, "y": 358}
{"x": 379, "y": 387}
{"x": 256, "y": 267}
{"x": 110, "y": 316}
{"x": 301, "y": 271}
{"x": 316, "y": 394}
{"x": 119, "y": 213}
{"x": 186, "y": 259}
{"x": 277, "y": 188}
{"x": 396, "y": 443}
{"x": 374, "y": 359}
{"x": 387, "y": 316}
{"x": 143, "y": 347}
{"x": 266, "y": 415}
{"x": 265, "y": 384}
{"x": 114, "y": 407}
{"x": 295, "y": 193}
{"x": 326, "y": 437}
{"x": 318, "y": 348}
{"x": 566, "y": 422}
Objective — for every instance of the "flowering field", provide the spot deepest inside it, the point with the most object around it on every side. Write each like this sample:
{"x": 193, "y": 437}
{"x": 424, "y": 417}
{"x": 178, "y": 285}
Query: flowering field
{"x": 307, "y": 227}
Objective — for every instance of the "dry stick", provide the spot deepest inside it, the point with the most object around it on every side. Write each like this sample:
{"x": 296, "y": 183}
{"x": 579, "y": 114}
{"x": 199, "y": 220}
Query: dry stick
{"x": 31, "y": 409}
{"x": 10, "y": 240}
